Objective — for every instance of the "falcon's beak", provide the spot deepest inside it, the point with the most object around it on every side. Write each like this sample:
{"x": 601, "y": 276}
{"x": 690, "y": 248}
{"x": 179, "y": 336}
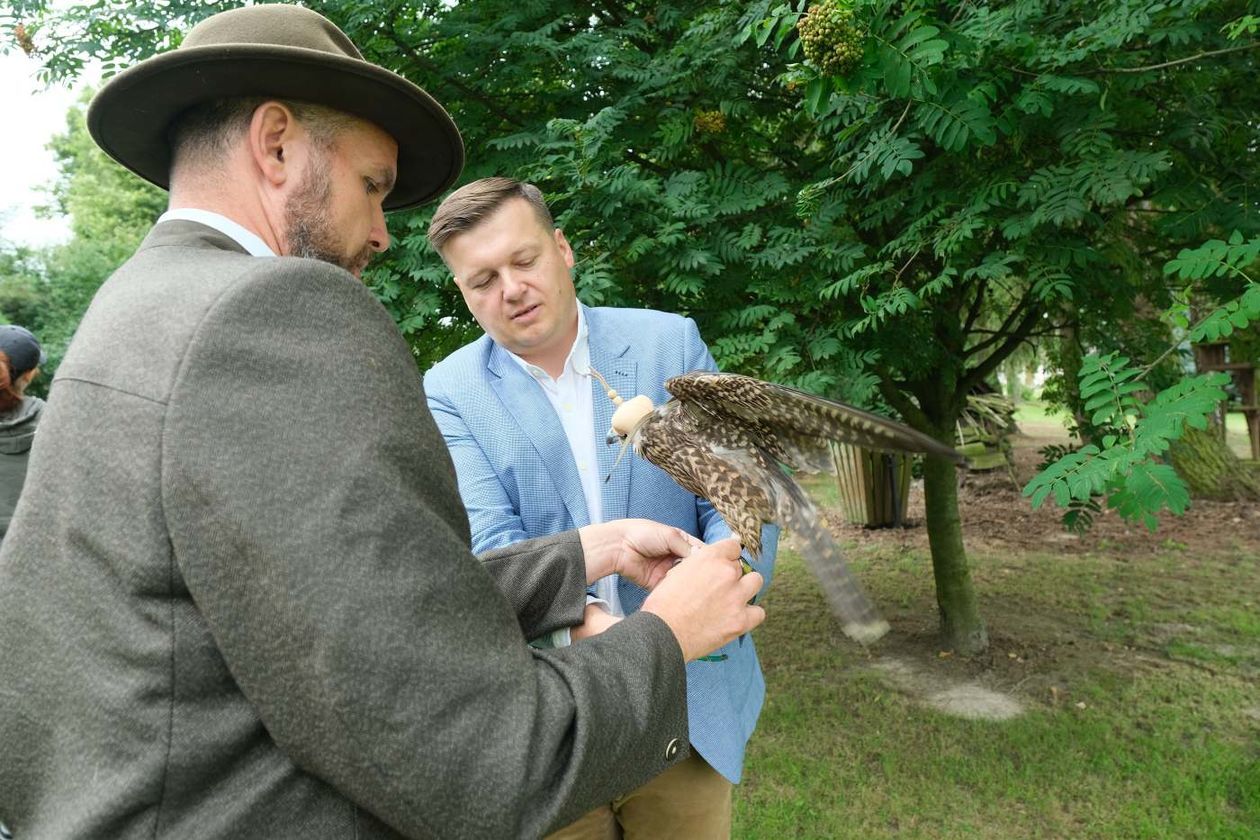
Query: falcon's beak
{"x": 615, "y": 439}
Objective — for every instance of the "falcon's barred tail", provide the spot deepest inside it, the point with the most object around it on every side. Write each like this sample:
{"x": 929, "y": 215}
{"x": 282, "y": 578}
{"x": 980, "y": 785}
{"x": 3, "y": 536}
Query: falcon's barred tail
{"x": 848, "y": 601}
{"x": 858, "y": 617}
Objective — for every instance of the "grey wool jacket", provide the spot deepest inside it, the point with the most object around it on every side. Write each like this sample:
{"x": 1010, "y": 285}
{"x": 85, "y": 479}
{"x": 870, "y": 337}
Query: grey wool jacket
{"x": 237, "y": 598}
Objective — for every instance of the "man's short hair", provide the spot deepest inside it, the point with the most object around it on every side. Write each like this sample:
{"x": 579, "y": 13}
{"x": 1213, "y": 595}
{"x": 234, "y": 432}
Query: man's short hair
{"x": 205, "y": 133}
{"x": 470, "y": 204}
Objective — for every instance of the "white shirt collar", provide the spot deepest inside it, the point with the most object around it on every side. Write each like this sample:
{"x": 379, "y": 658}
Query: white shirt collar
{"x": 247, "y": 239}
{"x": 578, "y": 360}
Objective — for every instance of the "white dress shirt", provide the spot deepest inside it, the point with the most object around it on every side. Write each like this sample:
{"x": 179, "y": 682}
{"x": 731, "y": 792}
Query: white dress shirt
{"x": 571, "y": 397}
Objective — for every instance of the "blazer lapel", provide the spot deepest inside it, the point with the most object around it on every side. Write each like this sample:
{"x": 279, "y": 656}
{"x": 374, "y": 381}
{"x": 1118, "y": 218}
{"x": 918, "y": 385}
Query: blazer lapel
{"x": 528, "y": 405}
{"x": 609, "y": 356}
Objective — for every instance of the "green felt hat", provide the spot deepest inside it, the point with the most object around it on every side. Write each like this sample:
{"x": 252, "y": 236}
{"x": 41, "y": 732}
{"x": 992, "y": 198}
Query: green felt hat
{"x": 283, "y": 51}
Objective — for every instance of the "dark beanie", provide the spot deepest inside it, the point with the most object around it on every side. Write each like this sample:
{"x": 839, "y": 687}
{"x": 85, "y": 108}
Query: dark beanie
{"x": 22, "y": 348}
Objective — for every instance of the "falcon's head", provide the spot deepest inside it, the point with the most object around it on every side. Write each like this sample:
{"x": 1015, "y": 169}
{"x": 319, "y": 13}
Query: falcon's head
{"x": 628, "y": 416}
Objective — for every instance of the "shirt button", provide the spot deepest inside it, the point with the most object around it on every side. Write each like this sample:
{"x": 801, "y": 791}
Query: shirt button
{"x": 672, "y": 749}
{"x": 568, "y": 406}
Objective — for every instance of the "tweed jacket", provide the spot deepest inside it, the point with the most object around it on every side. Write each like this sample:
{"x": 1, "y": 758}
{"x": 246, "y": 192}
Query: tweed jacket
{"x": 518, "y": 479}
{"x": 237, "y": 597}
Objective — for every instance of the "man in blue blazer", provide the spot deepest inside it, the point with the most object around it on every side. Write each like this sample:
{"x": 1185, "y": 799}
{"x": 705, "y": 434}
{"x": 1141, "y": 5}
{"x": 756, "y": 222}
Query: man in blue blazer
{"x": 525, "y": 421}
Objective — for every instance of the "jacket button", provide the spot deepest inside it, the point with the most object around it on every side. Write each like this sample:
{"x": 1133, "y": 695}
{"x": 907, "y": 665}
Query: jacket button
{"x": 672, "y": 750}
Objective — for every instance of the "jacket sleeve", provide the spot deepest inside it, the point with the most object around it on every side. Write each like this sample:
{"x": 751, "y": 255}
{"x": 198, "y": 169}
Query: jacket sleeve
{"x": 494, "y": 519}
{"x": 713, "y": 527}
{"x": 314, "y": 518}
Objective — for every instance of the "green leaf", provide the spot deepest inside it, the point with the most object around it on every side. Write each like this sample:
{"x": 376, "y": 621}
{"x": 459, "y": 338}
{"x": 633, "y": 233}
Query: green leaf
{"x": 955, "y": 123}
{"x": 1235, "y": 314}
{"x": 1068, "y": 84}
{"x": 1215, "y": 258}
{"x": 1188, "y": 401}
{"x": 913, "y": 53}
{"x": 1148, "y": 489}
{"x": 816, "y": 94}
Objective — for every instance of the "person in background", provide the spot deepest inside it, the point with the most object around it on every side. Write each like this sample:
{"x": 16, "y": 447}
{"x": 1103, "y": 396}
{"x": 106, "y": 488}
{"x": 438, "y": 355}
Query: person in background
{"x": 525, "y": 417}
{"x": 20, "y": 360}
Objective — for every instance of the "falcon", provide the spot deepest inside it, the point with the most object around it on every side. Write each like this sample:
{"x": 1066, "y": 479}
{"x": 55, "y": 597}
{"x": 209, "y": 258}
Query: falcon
{"x": 735, "y": 441}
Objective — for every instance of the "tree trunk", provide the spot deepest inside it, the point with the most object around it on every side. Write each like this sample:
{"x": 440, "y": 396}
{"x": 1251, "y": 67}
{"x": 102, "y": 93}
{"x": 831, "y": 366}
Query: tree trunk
{"x": 1014, "y": 384}
{"x": 939, "y": 404}
{"x": 1071, "y": 357}
{"x": 1209, "y": 466}
{"x": 962, "y": 628}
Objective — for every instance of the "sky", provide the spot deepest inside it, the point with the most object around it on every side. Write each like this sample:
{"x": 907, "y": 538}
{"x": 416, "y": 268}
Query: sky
{"x": 33, "y": 114}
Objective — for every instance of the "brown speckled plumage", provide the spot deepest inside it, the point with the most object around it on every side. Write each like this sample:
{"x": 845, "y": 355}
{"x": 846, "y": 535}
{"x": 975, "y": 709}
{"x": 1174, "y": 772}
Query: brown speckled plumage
{"x": 726, "y": 438}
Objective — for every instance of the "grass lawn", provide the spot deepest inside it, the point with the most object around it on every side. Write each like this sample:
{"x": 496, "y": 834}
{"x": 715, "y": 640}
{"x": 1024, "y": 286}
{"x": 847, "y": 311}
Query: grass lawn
{"x": 1039, "y": 413}
{"x": 1138, "y": 677}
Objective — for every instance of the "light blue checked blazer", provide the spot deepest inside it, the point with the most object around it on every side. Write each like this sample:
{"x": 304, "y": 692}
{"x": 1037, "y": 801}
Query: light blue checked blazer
{"x": 518, "y": 480}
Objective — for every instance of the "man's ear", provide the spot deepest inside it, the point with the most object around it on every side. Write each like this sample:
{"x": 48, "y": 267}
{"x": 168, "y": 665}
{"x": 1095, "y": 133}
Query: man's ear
{"x": 272, "y": 132}
{"x": 565, "y": 249}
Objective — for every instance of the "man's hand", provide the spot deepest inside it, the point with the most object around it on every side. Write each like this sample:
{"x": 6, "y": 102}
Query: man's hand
{"x": 595, "y": 621}
{"x": 638, "y": 549}
{"x": 704, "y": 599}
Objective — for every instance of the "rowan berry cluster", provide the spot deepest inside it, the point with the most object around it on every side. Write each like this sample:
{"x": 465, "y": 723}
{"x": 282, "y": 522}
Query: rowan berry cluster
{"x": 23, "y": 38}
{"x": 709, "y": 122}
{"x": 832, "y": 39}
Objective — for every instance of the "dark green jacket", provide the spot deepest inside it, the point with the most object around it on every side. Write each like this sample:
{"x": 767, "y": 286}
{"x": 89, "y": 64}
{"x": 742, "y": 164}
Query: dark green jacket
{"x": 17, "y": 431}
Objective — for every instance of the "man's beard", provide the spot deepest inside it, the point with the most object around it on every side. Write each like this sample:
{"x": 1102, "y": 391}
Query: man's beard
{"x": 309, "y": 232}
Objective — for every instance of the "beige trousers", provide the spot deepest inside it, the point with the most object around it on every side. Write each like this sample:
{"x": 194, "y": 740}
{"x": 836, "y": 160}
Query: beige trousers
{"x": 689, "y": 801}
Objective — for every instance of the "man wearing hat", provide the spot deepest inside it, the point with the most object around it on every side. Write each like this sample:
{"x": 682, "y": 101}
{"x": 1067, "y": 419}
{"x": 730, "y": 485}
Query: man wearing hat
{"x": 237, "y": 597}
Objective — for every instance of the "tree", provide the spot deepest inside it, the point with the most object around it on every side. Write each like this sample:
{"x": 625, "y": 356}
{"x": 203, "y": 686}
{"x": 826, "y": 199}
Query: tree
{"x": 1135, "y": 433}
{"x": 1004, "y": 168}
{"x": 110, "y": 211}
{"x": 885, "y": 225}
{"x": 19, "y": 285}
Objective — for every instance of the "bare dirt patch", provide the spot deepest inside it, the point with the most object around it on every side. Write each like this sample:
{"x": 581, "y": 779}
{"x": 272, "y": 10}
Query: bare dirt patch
{"x": 961, "y": 699}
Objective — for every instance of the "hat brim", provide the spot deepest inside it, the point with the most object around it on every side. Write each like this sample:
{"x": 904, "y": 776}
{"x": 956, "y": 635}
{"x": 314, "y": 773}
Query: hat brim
{"x": 130, "y": 115}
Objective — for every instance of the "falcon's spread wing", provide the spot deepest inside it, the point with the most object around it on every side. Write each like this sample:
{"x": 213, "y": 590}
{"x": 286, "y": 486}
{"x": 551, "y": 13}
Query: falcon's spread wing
{"x": 724, "y": 438}
{"x": 793, "y": 425}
